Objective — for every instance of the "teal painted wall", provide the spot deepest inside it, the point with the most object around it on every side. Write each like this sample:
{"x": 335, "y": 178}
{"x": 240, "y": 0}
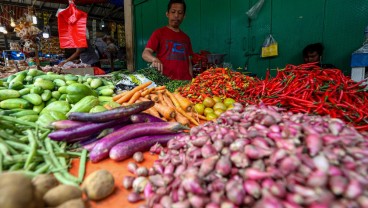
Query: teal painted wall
{"x": 222, "y": 26}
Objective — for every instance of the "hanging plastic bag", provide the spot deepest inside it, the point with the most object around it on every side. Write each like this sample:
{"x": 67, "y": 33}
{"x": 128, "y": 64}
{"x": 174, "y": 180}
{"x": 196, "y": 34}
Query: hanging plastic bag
{"x": 72, "y": 24}
{"x": 269, "y": 47}
{"x": 253, "y": 12}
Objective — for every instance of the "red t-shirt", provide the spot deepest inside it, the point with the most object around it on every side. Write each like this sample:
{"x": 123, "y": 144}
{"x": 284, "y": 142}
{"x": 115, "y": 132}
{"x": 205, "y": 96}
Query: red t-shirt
{"x": 173, "y": 49}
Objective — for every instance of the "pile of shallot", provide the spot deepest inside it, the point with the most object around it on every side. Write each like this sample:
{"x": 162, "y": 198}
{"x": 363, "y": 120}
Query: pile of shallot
{"x": 260, "y": 156}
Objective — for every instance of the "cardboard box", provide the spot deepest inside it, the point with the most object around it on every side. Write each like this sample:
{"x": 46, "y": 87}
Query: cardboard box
{"x": 79, "y": 71}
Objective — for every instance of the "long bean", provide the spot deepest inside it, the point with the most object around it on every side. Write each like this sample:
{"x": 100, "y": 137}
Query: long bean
{"x": 1, "y": 163}
{"x": 82, "y": 165}
{"x": 43, "y": 168}
{"x": 33, "y": 147}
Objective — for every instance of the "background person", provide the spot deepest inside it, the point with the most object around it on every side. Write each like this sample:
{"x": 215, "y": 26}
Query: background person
{"x": 171, "y": 45}
{"x": 312, "y": 53}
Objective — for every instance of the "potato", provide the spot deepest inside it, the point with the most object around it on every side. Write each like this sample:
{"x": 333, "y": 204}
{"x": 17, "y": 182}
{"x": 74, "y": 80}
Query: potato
{"x": 44, "y": 183}
{"x": 17, "y": 191}
{"x": 74, "y": 203}
{"x": 60, "y": 194}
{"x": 98, "y": 185}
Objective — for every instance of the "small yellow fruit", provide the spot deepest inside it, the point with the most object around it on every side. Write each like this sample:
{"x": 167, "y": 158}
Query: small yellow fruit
{"x": 220, "y": 106}
{"x": 211, "y": 116}
{"x": 208, "y": 102}
{"x": 217, "y": 99}
{"x": 199, "y": 108}
{"x": 218, "y": 111}
{"x": 229, "y": 101}
{"x": 207, "y": 111}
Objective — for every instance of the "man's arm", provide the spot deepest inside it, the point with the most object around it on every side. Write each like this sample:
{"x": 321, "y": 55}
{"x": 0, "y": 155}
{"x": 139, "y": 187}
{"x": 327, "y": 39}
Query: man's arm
{"x": 74, "y": 56}
{"x": 148, "y": 56}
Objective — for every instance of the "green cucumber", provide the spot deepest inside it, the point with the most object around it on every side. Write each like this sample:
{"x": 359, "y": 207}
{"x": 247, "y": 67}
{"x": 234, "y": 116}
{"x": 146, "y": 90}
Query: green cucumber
{"x": 106, "y": 92}
{"x": 44, "y": 84}
{"x": 59, "y": 82}
{"x": 62, "y": 89}
{"x": 39, "y": 108}
{"x": 36, "y": 90}
{"x": 98, "y": 108}
{"x": 33, "y": 98}
{"x": 56, "y": 94}
{"x": 95, "y": 83}
{"x": 8, "y": 94}
{"x": 24, "y": 91}
{"x": 50, "y": 77}
{"x": 30, "y": 118}
{"x": 15, "y": 103}
{"x": 105, "y": 99}
{"x": 63, "y": 97}
{"x": 85, "y": 104}
{"x": 46, "y": 95}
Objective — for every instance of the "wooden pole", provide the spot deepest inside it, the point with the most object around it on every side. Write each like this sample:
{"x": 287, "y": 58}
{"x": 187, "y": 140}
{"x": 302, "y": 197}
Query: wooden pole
{"x": 129, "y": 33}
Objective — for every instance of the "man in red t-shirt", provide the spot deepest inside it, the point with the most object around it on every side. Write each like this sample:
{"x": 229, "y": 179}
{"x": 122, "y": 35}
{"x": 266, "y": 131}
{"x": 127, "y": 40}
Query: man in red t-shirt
{"x": 171, "y": 45}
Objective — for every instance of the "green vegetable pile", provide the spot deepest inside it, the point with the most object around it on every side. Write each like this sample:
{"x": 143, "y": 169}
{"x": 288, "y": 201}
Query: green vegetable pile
{"x": 24, "y": 147}
{"x": 162, "y": 80}
{"x": 40, "y": 97}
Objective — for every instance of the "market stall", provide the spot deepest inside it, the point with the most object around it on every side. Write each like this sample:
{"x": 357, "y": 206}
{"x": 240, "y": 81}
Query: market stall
{"x": 70, "y": 137}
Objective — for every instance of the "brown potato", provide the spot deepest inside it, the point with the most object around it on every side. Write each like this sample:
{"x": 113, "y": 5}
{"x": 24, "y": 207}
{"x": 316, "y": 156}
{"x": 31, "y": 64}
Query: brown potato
{"x": 60, "y": 194}
{"x": 74, "y": 203}
{"x": 16, "y": 191}
{"x": 44, "y": 183}
{"x": 98, "y": 185}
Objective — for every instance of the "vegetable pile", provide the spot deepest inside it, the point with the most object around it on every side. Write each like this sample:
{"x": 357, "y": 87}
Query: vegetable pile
{"x": 308, "y": 89}
{"x": 216, "y": 81}
{"x": 131, "y": 131}
{"x": 40, "y": 97}
{"x": 24, "y": 147}
{"x": 259, "y": 156}
{"x": 167, "y": 106}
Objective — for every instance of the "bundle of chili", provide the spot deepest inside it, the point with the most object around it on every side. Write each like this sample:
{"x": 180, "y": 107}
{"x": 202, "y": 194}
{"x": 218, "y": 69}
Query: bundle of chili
{"x": 309, "y": 89}
{"x": 220, "y": 82}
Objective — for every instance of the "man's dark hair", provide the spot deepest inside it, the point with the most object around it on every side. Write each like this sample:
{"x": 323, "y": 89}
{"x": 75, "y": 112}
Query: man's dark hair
{"x": 315, "y": 47}
{"x": 176, "y": 2}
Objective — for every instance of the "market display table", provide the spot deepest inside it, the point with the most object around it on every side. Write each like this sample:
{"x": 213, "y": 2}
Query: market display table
{"x": 118, "y": 169}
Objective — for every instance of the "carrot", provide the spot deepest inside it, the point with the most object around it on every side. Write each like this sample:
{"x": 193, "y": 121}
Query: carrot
{"x": 153, "y": 112}
{"x": 144, "y": 99}
{"x": 191, "y": 119}
{"x": 161, "y": 98}
{"x": 194, "y": 115}
{"x": 182, "y": 119}
{"x": 173, "y": 99}
{"x": 154, "y": 97}
{"x": 134, "y": 97}
{"x": 160, "y": 88}
{"x": 107, "y": 106}
{"x": 130, "y": 93}
{"x": 184, "y": 103}
{"x": 166, "y": 111}
{"x": 147, "y": 92}
{"x": 160, "y": 91}
{"x": 168, "y": 101}
{"x": 118, "y": 96}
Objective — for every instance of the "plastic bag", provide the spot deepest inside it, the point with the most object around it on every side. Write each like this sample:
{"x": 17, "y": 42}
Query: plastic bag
{"x": 269, "y": 47}
{"x": 130, "y": 81}
{"x": 72, "y": 24}
{"x": 253, "y": 12}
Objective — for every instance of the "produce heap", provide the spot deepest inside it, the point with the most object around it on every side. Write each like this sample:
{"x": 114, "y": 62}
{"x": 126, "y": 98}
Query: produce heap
{"x": 287, "y": 141}
{"x": 307, "y": 89}
{"x": 260, "y": 156}
{"x": 216, "y": 82}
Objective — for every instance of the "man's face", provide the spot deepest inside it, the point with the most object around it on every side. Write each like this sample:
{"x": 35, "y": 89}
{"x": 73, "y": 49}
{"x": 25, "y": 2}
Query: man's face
{"x": 312, "y": 57}
{"x": 175, "y": 15}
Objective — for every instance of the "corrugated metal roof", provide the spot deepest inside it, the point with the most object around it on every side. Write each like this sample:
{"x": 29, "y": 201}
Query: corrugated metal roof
{"x": 96, "y": 9}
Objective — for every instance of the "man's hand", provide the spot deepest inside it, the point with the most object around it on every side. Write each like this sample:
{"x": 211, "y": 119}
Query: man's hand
{"x": 156, "y": 63}
{"x": 61, "y": 64}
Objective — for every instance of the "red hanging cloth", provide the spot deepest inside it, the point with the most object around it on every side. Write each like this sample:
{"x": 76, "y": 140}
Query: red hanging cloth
{"x": 72, "y": 24}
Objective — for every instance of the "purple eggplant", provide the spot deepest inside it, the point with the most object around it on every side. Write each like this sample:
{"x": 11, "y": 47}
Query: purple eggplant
{"x": 63, "y": 124}
{"x": 126, "y": 149}
{"x": 144, "y": 118}
{"x": 102, "y": 148}
{"x": 115, "y": 113}
{"x": 72, "y": 133}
